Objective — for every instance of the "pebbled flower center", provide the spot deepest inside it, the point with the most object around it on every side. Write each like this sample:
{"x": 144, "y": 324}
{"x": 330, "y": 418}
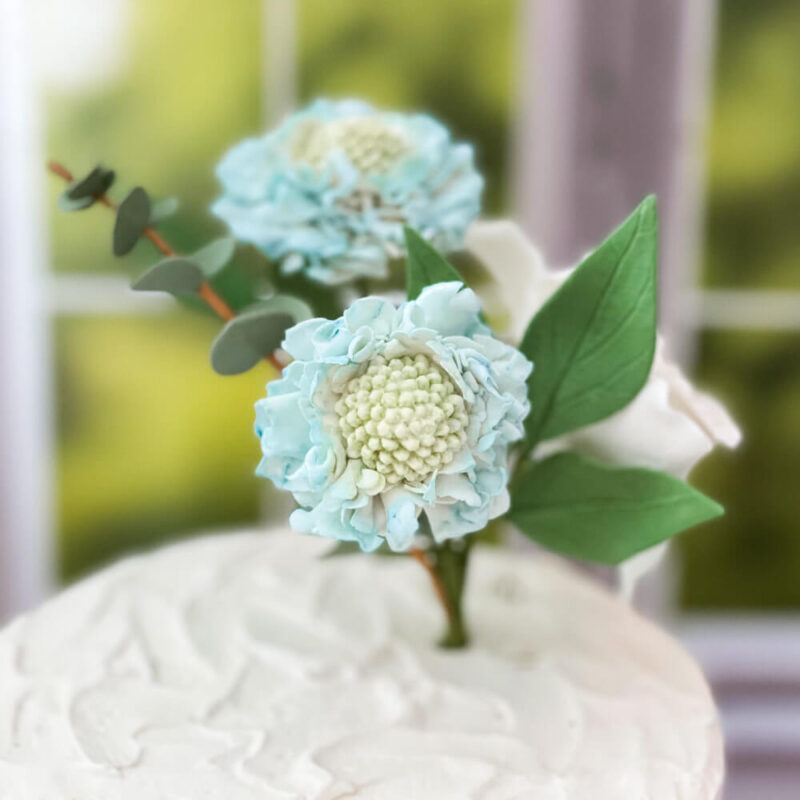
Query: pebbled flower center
{"x": 403, "y": 418}
{"x": 370, "y": 144}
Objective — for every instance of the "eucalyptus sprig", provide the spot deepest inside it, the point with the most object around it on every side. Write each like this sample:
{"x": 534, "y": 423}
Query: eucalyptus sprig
{"x": 250, "y": 334}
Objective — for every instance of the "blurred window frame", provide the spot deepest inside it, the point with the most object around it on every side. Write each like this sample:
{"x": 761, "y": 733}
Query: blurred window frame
{"x": 565, "y": 67}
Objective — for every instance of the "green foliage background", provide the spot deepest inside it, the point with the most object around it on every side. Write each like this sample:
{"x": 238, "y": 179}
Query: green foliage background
{"x": 751, "y": 557}
{"x": 153, "y": 445}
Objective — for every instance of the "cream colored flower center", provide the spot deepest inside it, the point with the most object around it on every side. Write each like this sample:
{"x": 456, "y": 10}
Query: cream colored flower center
{"x": 371, "y": 144}
{"x": 403, "y": 418}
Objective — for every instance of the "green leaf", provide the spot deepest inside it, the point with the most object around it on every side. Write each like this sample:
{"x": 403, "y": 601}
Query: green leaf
{"x": 592, "y": 343}
{"x": 597, "y": 512}
{"x": 96, "y": 183}
{"x": 66, "y": 203}
{"x": 248, "y": 338}
{"x": 133, "y": 216}
{"x": 215, "y": 255}
{"x": 161, "y": 209}
{"x": 177, "y": 276}
{"x": 425, "y": 266}
{"x": 296, "y": 308}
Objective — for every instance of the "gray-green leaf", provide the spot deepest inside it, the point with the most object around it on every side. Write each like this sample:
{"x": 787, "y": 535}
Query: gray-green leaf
{"x": 248, "y": 338}
{"x": 296, "y": 308}
{"x": 133, "y": 216}
{"x": 425, "y": 266}
{"x": 178, "y": 276}
{"x": 592, "y": 343}
{"x": 215, "y": 255}
{"x": 161, "y": 209}
{"x": 67, "y": 203}
{"x": 97, "y": 182}
{"x": 597, "y": 512}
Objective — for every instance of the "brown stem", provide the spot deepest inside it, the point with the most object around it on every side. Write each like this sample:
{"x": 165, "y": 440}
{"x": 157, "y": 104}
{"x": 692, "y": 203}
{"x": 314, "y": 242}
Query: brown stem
{"x": 206, "y": 290}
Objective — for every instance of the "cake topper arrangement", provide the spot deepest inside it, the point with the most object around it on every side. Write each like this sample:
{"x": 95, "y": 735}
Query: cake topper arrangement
{"x": 408, "y": 426}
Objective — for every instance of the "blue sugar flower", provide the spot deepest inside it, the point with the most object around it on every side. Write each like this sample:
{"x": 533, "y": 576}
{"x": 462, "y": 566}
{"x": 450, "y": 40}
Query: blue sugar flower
{"x": 389, "y": 412}
{"x": 329, "y": 191}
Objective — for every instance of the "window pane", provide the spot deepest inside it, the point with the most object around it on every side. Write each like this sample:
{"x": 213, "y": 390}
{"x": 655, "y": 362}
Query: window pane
{"x": 452, "y": 58}
{"x": 178, "y": 84}
{"x": 152, "y": 443}
{"x": 750, "y": 558}
{"x": 753, "y": 238}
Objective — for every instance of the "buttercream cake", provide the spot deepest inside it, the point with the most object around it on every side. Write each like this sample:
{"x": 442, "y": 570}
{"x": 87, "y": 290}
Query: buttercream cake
{"x": 251, "y": 666}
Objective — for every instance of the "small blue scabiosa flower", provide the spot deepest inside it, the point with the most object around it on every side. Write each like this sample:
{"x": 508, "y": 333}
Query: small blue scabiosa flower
{"x": 389, "y": 412}
{"x": 329, "y": 191}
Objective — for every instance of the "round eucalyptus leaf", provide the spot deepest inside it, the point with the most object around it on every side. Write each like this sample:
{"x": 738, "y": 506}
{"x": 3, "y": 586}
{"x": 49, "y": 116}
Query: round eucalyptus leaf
{"x": 178, "y": 276}
{"x": 248, "y": 338}
{"x": 296, "y": 308}
{"x": 96, "y": 183}
{"x": 163, "y": 208}
{"x": 66, "y": 203}
{"x": 215, "y": 255}
{"x": 133, "y": 216}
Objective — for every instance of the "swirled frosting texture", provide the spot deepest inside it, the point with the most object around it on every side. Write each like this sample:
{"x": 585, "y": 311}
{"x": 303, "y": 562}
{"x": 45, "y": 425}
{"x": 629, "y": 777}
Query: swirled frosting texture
{"x": 243, "y": 668}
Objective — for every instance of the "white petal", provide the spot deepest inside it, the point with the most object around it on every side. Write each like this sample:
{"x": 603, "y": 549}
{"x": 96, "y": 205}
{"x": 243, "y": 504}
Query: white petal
{"x": 523, "y": 281}
{"x": 648, "y": 432}
{"x": 705, "y": 410}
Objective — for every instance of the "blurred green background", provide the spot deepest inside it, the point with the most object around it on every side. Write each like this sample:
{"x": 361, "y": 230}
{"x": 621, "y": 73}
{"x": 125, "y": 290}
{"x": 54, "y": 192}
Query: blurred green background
{"x": 153, "y": 445}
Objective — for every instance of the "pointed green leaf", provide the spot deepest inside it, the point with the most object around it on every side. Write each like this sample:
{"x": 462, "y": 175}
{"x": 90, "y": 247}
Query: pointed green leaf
{"x": 161, "y": 209}
{"x": 425, "y": 266}
{"x": 177, "y": 276}
{"x": 215, "y": 255}
{"x": 592, "y": 344}
{"x": 133, "y": 216}
{"x": 248, "y": 338}
{"x": 597, "y": 512}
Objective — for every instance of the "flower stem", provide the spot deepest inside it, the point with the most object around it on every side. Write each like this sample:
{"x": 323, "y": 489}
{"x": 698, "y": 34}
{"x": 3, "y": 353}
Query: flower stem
{"x": 206, "y": 291}
{"x": 446, "y": 564}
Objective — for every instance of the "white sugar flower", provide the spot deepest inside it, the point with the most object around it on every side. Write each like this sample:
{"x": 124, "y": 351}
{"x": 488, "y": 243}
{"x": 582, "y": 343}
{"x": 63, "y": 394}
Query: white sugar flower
{"x": 389, "y": 412}
{"x": 668, "y": 426}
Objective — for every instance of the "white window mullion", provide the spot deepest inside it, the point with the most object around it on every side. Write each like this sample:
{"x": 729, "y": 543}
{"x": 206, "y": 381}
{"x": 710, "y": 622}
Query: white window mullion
{"x": 72, "y": 294}
{"x": 26, "y": 430}
{"x": 612, "y": 101}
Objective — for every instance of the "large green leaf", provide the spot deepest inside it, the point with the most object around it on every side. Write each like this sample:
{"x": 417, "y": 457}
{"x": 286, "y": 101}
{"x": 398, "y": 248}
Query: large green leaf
{"x": 425, "y": 266}
{"x": 592, "y": 343}
{"x": 133, "y": 216}
{"x": 255, "y": 333}
{"x": 597, "y": 512}
{"x": 178, "y": 276}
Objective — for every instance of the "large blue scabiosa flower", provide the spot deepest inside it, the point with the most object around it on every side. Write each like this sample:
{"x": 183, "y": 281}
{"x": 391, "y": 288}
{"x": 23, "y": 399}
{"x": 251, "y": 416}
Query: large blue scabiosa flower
{"x": 389, "y": 412}
{"x": 329, "y": 191}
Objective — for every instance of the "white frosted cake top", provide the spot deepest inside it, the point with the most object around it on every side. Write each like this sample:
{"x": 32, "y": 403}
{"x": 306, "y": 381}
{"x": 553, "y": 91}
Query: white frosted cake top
{"x": 242, "y": 667}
